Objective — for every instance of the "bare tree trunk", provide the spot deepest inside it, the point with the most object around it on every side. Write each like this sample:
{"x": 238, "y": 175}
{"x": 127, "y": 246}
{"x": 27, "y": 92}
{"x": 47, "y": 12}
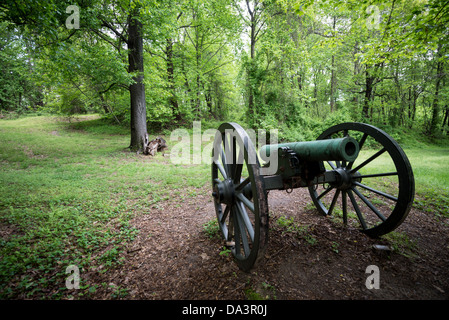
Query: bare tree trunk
{"x": 137, "y": 89}
{"x": 369, "y": 80}
{"x": 255, "y": 24}
{"x": 171, "y": 80}
{"x": 333, "y": 78}
{"x": 333, "y": 84}
{"x": 435, "y": 105}
{"x": 446, "y": 116}
{"x": 355, "y": 99}
{"x": 251, "y": 111}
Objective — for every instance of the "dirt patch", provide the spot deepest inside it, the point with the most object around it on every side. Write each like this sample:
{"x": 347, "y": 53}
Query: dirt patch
{"x": 173, "y": 258}
{"x": 30, "y": 154}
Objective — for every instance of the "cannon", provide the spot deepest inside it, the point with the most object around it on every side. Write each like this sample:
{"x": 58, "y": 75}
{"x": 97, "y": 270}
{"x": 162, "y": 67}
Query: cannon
{"x": 354, "y": 171}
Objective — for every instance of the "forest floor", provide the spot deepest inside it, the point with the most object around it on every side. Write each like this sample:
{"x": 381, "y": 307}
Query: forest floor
{"x": 174, "y": 258}
{"x": 72, "y": 194}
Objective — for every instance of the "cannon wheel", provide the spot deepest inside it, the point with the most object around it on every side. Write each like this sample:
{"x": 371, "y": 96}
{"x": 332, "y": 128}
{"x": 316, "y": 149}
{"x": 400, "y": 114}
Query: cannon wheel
{"x": 239, "y": 193}
{"x": 379, "y": 184}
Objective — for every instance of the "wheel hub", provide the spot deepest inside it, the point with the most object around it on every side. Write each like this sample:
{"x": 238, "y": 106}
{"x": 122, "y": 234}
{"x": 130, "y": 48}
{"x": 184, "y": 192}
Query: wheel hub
{"x": 345, "y": 178}
{"x": 224, "y": 191}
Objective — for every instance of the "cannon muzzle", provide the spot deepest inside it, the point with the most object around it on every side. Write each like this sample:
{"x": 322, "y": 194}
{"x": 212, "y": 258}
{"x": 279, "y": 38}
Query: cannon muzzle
{"x": 341, "y": 149}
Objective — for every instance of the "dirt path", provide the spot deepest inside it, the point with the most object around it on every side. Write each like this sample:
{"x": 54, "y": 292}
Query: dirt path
{"x": 173, "y": 258}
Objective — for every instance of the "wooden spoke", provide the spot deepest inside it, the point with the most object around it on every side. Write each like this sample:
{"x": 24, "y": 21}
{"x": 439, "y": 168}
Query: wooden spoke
{"x": 380, "y": 201}
{"x": 239, "y": 196}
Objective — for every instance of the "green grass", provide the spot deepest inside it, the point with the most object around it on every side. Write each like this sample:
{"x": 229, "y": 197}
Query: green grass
{"x": 290, "y": 226}
{"x": 402, "y": 244}
{"x": 68, "y": 193}
{"x": 430, "y": 169}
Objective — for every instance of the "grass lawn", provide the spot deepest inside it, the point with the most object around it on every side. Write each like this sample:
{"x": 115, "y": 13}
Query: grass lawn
{"x": 430, "y": 167}
{"x": 68, "y": 191}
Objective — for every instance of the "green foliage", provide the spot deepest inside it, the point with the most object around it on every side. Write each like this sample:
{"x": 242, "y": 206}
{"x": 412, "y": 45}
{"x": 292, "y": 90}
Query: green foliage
{"x": 290, "y": 226}
{"x": 402, "y": 244}
{"x": 211, "y": 228}
{"x": 18, "y": 92}
{"x": 306, "y": 66}
{"x": 262, "y": 291}
{"x": 65, "y": 189}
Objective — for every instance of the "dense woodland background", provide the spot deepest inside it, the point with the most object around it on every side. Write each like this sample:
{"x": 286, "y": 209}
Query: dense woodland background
{"x": 297, "y": 66}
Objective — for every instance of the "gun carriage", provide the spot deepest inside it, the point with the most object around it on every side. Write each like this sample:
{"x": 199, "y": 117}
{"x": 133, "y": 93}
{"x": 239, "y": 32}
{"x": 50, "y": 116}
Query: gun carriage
{"x": 353, "y": 170}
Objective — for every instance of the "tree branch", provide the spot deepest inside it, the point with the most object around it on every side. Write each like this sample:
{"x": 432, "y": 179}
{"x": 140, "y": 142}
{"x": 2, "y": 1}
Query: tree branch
{"x": 106, "y": 38}
{"x": 217, "y": 67}
{"x": 108, "y": 88}
{"x": 249, "y": 9}
{"x": 120, "y": 35}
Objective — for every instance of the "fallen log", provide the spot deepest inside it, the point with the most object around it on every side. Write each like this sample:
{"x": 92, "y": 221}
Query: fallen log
{"x": 153, "y": 146}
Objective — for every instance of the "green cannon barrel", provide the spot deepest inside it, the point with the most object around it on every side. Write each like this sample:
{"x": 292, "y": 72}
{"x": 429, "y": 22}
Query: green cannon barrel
{"x": 320, "y": 150}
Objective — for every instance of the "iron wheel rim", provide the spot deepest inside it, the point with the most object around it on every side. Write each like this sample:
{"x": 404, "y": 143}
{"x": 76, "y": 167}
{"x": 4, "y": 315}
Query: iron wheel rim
{"x": 352, "y": 193}
{"x": 243, "y": 220}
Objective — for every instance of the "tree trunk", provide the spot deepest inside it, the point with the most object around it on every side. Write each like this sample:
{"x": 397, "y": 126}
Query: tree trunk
{"x": 198, "y": 49}
{"x": 332, "y": 98}
{"x": 333, "y": 80}
{"x": 251, "y": 108}
{"x": 355, "y": 99}
{"x": 446, "y": 117}
{"x": 137, "y": 89}
{"x": 208, "y": 97}
{"x": 435, "y": 105}
{"x": 171, "y": 80}
{"x": 369, "y": 80}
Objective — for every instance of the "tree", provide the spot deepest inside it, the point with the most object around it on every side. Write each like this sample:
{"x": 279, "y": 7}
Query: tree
{"x": 196, "y": 54}
{"x": 254, "y": 18}
{"x": 272, "y": 63}
{"x": 409, "y": 29}
{"x": 117, "y": 23}
{"x": 17, "y": 90}
{"x": 436, "y": 103}
{"x": 137, "y": 88}
{"x": 114, "y": 22}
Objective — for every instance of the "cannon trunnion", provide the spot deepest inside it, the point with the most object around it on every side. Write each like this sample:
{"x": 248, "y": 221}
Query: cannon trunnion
{"x": 352, "y": 170}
